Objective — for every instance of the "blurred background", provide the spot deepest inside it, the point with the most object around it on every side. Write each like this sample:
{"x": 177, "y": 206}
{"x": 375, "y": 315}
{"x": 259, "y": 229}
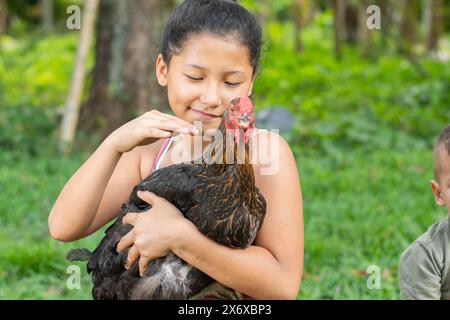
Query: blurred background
{"x": 367, "y": 105}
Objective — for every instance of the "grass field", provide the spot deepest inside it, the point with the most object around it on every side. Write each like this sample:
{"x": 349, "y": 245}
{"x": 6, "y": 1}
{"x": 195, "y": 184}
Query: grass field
{"x": 361, "y": 210}
{"x": 362, "y": 143}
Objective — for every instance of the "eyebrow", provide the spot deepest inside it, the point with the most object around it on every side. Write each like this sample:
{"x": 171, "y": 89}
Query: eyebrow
{"x": 203, "y": 68}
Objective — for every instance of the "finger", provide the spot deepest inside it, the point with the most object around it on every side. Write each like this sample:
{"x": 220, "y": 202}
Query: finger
{"x": 180, "y": 121}
{"x": 155, "y": 114}
{"x": 170, "y": 125}
{"x": 143, "y": 264}
{"x": 126, "y": 241}
{"x": 148, "y": 197}
{"x": 130, "y": 218}
{"x": 133, "y": 256}
{"x": 156, "y": 133}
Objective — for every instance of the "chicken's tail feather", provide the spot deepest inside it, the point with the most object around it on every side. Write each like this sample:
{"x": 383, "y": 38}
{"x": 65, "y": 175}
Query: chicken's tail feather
{"x": 79, "y": 255}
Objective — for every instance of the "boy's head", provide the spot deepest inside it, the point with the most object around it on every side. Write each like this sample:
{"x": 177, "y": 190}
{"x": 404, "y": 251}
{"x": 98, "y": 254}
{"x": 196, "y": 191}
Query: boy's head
{"x": 441, "y": 184}
{"x": 210, "y": 54}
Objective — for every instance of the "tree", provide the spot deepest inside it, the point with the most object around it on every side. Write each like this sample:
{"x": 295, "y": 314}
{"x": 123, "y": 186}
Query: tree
{"x": 47, "y": 15}
{"x": 352, "y": 19}
{"x": 123, "y": 81}
{"x": 433, "y": 24}
{"x": 364, "y": 33}
{"x": 386, "y": 21}
{"x": 71, "y": 112}
{"x": 312, "y": 11}
{"x": 3, "y": 17}
{"x": 297, "y": 15}
{"x": 338, "y": 25}
{"x": 407, "y": 26}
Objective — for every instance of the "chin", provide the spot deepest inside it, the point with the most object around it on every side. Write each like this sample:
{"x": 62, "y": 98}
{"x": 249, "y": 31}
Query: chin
{"x": 209, "y": 127}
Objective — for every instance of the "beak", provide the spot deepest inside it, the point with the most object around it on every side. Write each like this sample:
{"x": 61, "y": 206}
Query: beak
{"x": 243, "y": 121}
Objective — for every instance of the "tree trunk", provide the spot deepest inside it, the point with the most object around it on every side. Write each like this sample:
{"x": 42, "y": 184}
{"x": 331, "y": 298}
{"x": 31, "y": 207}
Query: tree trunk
{"x": 339, "y": 26}
{"x": 124, "y": 83}
{"x": 47, "y": 15}
{"x": 407, "y": 27}
{"x": 364, "y": 34}
{"x": 351, "y": 22}
{"x": 98, "y": 109}
{"x": 3, "y": 17}
{"x": 297, "y": 15}
{"x": 70, "y": 117}
{"x": 386, "y": 21}
{"x": 433, "y": 26}
{"x": 263, "y": 12}
{"x": 312, "y": 12}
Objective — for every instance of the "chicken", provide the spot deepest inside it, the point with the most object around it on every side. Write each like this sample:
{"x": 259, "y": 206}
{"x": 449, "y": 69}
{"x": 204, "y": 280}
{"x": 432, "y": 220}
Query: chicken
{"x": 217, "y": 194}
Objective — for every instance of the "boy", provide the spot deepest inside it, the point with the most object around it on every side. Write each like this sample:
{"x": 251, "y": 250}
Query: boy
{"x": 424, "y": 271}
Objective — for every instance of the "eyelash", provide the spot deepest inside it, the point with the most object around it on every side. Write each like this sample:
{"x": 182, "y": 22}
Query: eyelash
{"x": 231, "y": 84}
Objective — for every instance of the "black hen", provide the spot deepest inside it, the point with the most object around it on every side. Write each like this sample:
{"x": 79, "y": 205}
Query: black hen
{"x": 219, "y": 197}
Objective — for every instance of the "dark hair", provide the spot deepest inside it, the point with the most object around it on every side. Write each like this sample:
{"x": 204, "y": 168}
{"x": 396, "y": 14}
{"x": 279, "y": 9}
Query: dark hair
{"x": 220, "y": 17}
{"x": 443, "y": 142}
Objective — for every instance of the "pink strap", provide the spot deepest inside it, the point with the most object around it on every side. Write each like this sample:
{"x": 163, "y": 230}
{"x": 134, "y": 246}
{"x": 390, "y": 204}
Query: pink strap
{"x": 161, "y": 150}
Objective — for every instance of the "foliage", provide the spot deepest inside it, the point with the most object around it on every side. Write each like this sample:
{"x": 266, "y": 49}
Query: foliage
{"x": 34, "y": 80}
{"x": 362, "y": 140}
{"x": 373, "y": 104}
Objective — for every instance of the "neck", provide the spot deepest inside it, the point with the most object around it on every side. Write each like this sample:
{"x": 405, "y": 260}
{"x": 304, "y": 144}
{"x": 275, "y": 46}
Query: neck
{"x": 224, "y": 149}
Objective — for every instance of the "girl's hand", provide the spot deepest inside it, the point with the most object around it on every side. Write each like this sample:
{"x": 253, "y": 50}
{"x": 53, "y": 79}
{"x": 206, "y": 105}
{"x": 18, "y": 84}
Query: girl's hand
{"x": 155, "y": 231}
{"x": 146, "y": 129}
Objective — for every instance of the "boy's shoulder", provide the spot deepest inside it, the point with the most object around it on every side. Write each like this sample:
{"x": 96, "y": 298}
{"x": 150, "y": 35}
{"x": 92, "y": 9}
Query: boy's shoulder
{"x": 436, "y": 235}
{"x": 424, "y": 270}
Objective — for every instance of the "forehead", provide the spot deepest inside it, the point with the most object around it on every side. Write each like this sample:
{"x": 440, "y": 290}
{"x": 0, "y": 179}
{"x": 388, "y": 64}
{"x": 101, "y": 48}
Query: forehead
{"x": 214, "y": 53}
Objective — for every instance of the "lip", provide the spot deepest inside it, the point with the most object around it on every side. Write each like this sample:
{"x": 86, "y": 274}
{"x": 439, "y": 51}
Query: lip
{"x": 204, "y": 115}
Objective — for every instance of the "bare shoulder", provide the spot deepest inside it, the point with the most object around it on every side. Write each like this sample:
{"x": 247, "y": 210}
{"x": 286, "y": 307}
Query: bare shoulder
{"x": 271, "y": 155}
{"x": 147, "y": 155}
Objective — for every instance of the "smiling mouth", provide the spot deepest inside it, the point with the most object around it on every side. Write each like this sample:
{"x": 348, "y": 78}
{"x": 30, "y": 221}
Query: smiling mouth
{"x": 204, "y": 115}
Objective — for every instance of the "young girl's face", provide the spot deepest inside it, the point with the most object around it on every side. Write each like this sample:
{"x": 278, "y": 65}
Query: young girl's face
{"x": 205, "y": 76}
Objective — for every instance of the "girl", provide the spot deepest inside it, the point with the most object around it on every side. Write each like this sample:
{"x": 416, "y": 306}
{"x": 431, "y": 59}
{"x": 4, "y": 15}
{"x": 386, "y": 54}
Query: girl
{"x": 210, "y": 55}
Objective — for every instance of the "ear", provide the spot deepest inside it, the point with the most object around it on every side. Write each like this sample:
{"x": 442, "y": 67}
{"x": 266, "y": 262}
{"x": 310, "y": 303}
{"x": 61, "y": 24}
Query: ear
{"x": 436, "y": 188}
{"x": 161, "y": 71}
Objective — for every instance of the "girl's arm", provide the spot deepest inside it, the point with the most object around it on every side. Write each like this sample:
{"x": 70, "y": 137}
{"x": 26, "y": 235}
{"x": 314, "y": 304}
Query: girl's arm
{"x": 86, "y": 196}
{"x": 272, "y": 268}
{"x": 95, "y": 193}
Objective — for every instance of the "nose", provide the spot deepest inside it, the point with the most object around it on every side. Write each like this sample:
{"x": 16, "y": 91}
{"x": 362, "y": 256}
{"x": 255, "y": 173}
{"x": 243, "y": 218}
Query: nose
{"x": 210, "y": 97}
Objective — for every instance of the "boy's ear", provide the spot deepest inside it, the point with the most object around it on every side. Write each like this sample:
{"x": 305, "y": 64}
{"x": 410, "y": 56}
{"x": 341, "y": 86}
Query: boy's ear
{"x": 436, "y": 188}
{"x": 161, "y": 71}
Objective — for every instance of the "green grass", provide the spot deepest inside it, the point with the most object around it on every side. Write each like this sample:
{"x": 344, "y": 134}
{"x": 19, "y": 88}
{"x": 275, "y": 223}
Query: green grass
{"x": 361, "y": 210}
{"x": 362, "y": 140}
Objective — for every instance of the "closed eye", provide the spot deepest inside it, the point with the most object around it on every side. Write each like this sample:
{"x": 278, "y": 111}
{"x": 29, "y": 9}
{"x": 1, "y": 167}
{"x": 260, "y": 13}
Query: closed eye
{"x": 232, "y": 84}
{"x": 193, "y": 78}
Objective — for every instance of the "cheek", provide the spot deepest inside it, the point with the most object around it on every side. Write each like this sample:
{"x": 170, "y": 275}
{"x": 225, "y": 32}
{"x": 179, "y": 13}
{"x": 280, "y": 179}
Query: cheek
{"x": 180, "y": 96}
